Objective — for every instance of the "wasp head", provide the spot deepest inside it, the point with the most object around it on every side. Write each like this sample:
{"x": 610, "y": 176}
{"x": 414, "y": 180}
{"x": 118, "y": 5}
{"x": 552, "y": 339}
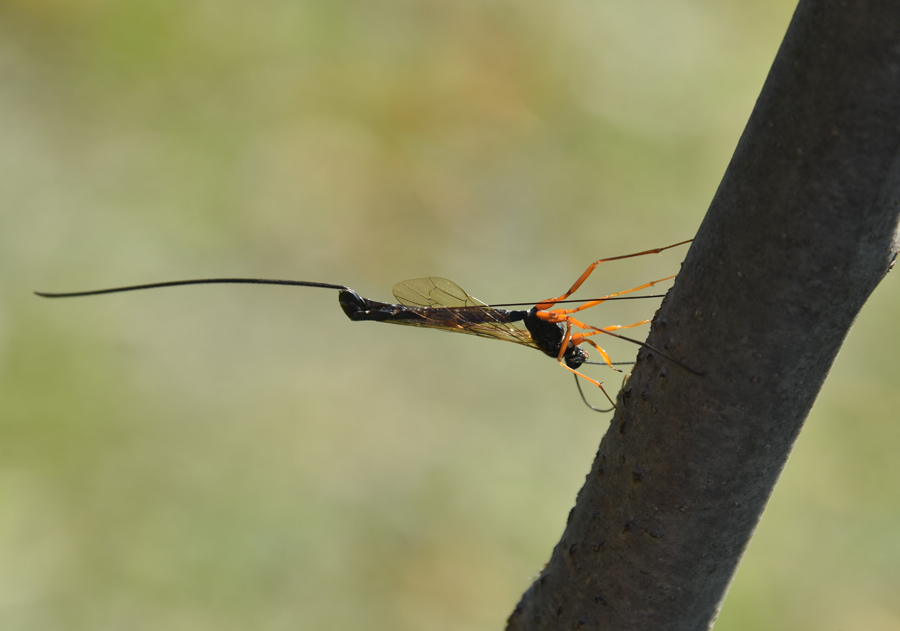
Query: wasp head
{"x": 575, "y": 356}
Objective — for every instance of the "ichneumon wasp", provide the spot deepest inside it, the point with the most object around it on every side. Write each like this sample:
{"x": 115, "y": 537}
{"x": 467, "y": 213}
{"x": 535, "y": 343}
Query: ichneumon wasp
{"x": 438, "y": 303}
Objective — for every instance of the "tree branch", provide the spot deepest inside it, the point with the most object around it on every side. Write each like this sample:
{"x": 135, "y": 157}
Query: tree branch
{"x": 801, "y": 230}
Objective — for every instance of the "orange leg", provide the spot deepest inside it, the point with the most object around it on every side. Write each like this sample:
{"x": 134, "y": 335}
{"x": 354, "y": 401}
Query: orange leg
{"x": 560, "y": 315}
{"x": 569, "y": 337}
{"x": 563, "y": 315}
{"x": 546, "y": 304}
{"x": 596, "y": 329}
{"x": 609, "y": 331}
{"x": 581, "y": 338}
{"x": 576, "y": 339}
{"x": 602, "y": 352}
{"x": 596, "y": 383}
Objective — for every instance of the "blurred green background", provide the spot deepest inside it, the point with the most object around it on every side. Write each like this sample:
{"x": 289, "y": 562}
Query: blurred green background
{"x": 246, "y": 458}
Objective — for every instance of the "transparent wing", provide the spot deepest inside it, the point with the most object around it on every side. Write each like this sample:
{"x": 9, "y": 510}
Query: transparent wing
{"x": 442, "y": 304}
{"x": 433, "y": 292}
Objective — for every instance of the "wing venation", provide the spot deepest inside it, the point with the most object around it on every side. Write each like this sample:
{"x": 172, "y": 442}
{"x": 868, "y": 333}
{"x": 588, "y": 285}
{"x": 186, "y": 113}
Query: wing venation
{"x": 444, "y": 305}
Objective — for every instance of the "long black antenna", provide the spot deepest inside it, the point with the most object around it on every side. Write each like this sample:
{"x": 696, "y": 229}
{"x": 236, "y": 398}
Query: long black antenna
{"x": 525, "y": 304}
{"x": 304, "y": 283}
{"x": 584, "y": 398}
{"x": 650, "y": 348}
{"x": 207, "y": 281}
{"x": 295, "y": 283}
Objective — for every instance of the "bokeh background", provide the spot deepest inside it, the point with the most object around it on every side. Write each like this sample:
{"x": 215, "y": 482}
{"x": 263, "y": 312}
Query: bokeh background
{"x": 246, "y": 458}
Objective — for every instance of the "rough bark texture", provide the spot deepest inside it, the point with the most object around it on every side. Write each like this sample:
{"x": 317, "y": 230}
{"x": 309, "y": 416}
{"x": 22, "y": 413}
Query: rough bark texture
{"x": 801, "y": 230}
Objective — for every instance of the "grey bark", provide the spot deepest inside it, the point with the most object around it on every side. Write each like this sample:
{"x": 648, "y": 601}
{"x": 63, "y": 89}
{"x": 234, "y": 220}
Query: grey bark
{"x": 799, "y": 233}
